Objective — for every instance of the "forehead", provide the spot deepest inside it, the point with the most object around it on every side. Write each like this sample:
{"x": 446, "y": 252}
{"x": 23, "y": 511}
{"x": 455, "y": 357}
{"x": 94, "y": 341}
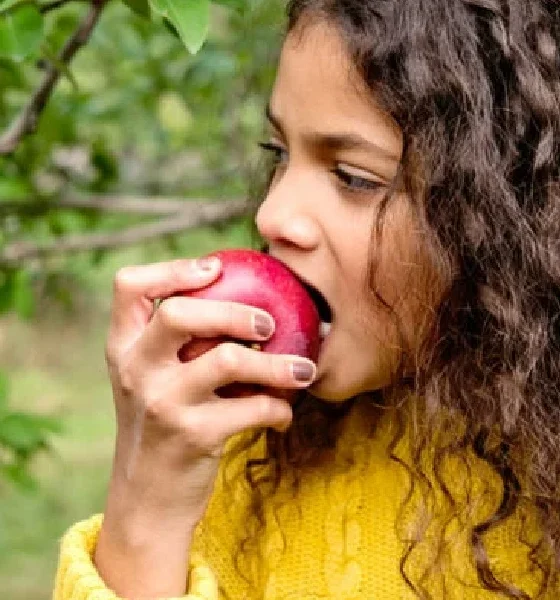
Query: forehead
{"x": 318, "y": 84}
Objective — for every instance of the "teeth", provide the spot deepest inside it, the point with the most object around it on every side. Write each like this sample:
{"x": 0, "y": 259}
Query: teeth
{"x": 324, "y": 329}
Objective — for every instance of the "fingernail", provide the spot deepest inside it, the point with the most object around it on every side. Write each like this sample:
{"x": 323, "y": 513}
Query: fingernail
{"x": 208, "y": 263}
{"x": 303, "y": 371}
{"x": 262, "y": 325}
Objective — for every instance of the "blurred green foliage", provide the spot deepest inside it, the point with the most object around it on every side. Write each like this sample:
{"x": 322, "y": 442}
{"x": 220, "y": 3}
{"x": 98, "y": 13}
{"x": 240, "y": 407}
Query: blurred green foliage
{"x": 166, "y": 98}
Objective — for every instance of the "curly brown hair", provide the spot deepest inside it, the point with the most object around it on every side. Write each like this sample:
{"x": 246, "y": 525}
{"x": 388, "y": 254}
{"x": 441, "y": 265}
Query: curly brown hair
{"x": 475, "y": 87}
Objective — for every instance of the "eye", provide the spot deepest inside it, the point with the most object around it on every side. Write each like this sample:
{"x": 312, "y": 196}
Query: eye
{"x": 355, "y": 183}
{"x": 279, "y": 154}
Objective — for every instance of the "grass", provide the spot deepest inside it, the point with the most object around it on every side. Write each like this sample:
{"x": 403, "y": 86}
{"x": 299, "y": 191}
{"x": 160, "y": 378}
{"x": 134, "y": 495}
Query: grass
{"x": 73, "y": 477}
{"x": 56, "y": 367}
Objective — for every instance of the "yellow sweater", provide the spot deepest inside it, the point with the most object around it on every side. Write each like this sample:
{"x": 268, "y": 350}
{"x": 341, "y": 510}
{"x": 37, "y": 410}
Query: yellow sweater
{"x": 341, "y": 541}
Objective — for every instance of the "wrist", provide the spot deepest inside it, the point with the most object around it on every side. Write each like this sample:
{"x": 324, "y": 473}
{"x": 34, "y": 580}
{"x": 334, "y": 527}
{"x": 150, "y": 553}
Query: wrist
{"x": 136, "y": 516}
{"x": 141, "y": 552}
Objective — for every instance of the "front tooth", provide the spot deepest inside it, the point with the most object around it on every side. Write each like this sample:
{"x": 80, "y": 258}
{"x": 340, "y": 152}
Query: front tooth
{"x": 324, "y": 329}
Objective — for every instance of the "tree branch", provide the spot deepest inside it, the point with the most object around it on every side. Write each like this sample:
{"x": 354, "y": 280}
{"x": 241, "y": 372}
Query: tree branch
{"x": 26, "y": 122}
{"x": 45, "y": 8}
{"x": 203, "y": 214}
{"x": 131, "y": 205}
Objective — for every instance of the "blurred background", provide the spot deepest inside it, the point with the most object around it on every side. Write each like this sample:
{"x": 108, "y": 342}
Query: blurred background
{"x": 144, "y": 150}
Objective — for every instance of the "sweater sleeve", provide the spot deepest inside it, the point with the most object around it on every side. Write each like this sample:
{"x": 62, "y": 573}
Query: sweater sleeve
{"x": 78, "y": 579}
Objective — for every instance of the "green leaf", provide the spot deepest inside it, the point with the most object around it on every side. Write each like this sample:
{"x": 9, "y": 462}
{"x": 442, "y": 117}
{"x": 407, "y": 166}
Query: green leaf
{"x": 16, "y": 293}
{"x": 21, "y": 32}
{"x": 7, "y": 279}
{"x": 17, "y": 433}
{"x": 6, "y": 5}
{"x": 23, "y": 298}
{"x": 190, "y": 17}
{"x": 60, "y": 65}
{"x": 171, "y": 28}
{"x": 17, "y": 474}
{"x": 47, "y": 424}
{"x": 140, "y": 7}
{"x": 14, "y": 189}
{"x": 26, "y": 433}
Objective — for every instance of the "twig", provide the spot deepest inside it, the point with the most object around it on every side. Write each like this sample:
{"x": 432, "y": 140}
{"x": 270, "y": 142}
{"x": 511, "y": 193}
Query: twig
{"x": 131, "y": 205}
{"x": 206, "y": 214}
{"x": 26, "y": 122}
{"x": 45, "y": 8}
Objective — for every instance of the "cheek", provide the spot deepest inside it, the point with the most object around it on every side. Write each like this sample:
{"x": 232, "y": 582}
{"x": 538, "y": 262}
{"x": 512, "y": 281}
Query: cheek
{"x": 405, "y": 278}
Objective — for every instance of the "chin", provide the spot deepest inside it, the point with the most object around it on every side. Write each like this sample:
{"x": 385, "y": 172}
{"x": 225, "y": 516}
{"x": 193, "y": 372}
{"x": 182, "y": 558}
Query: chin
{"x": 328, "y": 388}
{"x": 322, "y": 390}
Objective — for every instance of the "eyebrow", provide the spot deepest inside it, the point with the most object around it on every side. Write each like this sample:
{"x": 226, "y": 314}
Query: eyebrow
{"x": 335, "y": 141}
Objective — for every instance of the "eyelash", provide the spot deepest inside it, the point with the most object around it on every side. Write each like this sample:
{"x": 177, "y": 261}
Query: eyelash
{"x": 352, "y": 183}
{"x": 273, "y": 149}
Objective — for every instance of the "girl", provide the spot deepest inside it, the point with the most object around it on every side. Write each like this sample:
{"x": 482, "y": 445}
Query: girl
{"x": 415, "y": 183}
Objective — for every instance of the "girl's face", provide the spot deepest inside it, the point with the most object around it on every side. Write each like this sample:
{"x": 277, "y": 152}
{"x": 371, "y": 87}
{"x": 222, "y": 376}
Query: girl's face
{"x": 336, "y": 152}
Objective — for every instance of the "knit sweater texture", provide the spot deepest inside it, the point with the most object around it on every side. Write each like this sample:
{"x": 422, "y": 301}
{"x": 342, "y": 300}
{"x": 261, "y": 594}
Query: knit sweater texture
{"x": 340, "y": 535}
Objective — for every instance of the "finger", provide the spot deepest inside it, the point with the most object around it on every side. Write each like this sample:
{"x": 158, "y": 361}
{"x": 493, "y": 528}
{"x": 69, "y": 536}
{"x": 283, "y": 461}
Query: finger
{"x": 136, "y": 287}
{"x": 210, "y": 424}
{"x": 230, "y": 362}
{"x": 180, "y": 319}
{"x": 243, "y": 390}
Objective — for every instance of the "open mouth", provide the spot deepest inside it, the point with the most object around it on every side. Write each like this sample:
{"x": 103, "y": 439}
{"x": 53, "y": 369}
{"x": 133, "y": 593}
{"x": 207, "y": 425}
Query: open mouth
{"x": 323, "y": 308}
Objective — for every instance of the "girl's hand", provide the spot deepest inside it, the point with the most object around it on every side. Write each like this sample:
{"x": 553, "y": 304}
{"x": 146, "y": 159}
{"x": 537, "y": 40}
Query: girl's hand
{"x": 171, "y": 426}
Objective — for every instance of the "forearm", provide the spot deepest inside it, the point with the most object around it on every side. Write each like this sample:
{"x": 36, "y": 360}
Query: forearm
{"x": 141, "y": 554}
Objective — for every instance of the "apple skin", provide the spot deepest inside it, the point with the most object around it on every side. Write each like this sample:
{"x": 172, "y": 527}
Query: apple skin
{"x": 260, "y": 280}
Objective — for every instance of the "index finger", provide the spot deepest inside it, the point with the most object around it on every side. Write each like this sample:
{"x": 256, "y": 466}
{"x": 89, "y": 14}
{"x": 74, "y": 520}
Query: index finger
{"x": 137, "y": 286}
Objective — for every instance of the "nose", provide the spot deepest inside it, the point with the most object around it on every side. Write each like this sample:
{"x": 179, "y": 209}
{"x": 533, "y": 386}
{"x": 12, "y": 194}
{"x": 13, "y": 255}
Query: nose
{"x": 288, "y": 216}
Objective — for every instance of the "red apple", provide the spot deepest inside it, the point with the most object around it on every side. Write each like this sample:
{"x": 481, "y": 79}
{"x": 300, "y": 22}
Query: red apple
{"x": 257, "y": 279}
